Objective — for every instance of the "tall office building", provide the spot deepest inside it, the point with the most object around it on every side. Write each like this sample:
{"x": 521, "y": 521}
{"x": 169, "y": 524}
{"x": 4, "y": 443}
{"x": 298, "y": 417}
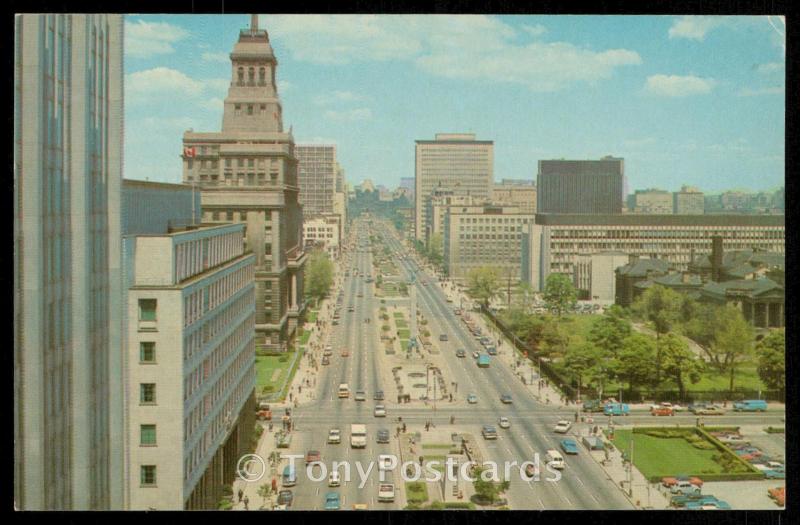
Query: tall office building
{"x": 248, "y": 173}
{"x": 68, "y": 109}
{"x": 453, "y": 161}
{"x": 581, "y": 186}
{"x": 317, "y": 177}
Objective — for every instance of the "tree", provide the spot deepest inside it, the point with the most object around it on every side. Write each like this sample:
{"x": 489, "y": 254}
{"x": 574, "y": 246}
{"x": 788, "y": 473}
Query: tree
{"x": 553, "y": 338}
{"x": 661, "y": 307}
{"x": 436, "y": 249}
{"x": 678, "y": 362}
{"x": 264, "y": 491}
{"x": 526, "y": 297}
{"x": 771, "y": 352}
{"x": 482, "y": 284}
{"x": 635, "y": 360}
{"x": 580, "y": 360}
{"x": 733, "y": 340}
{"x": 559, "y": 293}
{"x": 318, "y": 275}
{"x": 610, "y": 332}
{"x": 487, "y": 489}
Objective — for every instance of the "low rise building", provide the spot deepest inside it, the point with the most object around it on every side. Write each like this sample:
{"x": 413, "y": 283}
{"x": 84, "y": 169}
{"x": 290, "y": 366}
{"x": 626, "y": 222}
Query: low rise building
{"x": 485, "y": 235}
{"x": 325, "y": 232}
{"x": 652, "y": 202}
{"x": 688, "y": 201}
{"x": 519, "y": 193}
{"x": 594, "y": 276}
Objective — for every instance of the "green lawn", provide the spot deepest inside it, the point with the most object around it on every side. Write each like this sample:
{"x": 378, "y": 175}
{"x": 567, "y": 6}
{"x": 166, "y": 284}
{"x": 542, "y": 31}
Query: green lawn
{"x": 399, "y": 315}
{"x": 403, "y": 333}
{"x": 312, "y": 316}
{"x": 404, "y": 344}
{"x": 304, "y": 338}
{"x": 659, "y": 457}
{"x": 400, "y": 323}
{"x": 416, "y": 492}
{"x": 265, "y": 368}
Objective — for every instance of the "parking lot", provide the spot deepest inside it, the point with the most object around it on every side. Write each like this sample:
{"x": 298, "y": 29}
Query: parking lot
{"x": 744, "y": 494}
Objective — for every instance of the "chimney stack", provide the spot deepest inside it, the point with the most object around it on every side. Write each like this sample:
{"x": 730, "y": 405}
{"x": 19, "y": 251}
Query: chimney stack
{"x": 716, "y": 257}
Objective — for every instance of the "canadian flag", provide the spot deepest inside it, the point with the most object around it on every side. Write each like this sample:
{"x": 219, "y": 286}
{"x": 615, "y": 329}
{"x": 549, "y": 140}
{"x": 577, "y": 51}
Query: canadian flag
{"x": 189, "y": 152}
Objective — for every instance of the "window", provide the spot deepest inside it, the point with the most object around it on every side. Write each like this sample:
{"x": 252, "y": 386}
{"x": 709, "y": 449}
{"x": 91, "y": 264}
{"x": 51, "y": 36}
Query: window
{"x": 147, "y": 435}
{"x": 147, "y": 352}
{"x": 147, "y": 309}
{"x": 190, "y": 164}
{"x": 262, "y": 76}
{"x": 148, "y": 475}
{"x": 240, "y": 73}
{"x": 147, "y": 393}
{"x": 249, "y": 109}
{"x": 240, "y": 163}
{"x": 227, "y": 163}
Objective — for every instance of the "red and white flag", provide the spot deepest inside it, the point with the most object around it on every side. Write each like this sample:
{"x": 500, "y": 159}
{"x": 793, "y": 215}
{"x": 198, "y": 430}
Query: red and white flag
{"x": 189, "y": 152}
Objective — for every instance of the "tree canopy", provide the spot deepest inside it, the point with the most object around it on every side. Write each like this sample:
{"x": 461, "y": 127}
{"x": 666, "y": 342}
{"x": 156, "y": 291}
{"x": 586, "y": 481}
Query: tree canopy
{"x": 559, "y": 293}
{"x": 483, "y": 284}
{"x": 771, "y": 352}
{"x": 318, "y": 275}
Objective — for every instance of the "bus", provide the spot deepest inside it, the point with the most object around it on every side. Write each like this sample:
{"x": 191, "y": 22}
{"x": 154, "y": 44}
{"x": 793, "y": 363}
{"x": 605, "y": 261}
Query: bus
{"x": 483, "y": 361}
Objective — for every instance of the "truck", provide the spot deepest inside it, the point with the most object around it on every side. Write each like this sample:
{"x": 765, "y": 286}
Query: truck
{"x": 616, "y": 409}
{"x": 358, "y": 435}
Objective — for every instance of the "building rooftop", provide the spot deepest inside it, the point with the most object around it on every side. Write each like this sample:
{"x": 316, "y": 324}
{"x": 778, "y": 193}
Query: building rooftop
{"x": 608, "y": 219}
{"x": 644, "y": 267}
{"x": 748, "y": 287}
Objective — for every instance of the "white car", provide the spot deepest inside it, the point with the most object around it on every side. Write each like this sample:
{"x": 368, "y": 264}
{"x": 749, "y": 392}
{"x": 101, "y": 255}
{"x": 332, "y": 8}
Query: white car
{"x": 676, "y": 407}
{"x": 562, "y": 427}
{"x": 472, "y": 399}
{"x": 334, "y": 436}
{"x": 386, "y": 492}
{"x": 380, "y": 411}
{"x": 504, "y": 422}
{"x": 334, "y": 480}
{"x": 384, "y": 462}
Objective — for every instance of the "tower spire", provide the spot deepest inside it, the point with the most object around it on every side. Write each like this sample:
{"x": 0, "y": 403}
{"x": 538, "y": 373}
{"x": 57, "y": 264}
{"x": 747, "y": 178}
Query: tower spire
{"x": 253, "y": 23}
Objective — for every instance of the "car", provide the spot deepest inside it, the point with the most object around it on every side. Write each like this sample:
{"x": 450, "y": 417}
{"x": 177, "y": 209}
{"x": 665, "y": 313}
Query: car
{"x": 616, "y": 409}
{"x": 345, "y": 352}
{"x": 695, "y": 407}
{"x": 383, "y": 435}
{"x": 385, "y": 462}
{"x": 386, "y": 492}
{"x": 592, "y": 405}
{"x": 461, "y": 353}
{"x": 334, "y": 436}
{"x": 332, "y": 501}
{"x": 380, "y": 411}
{"x": 491, "y": 350}
{"x": 334, "y": 480}
{"x": 285, "y": 497}
{"x": 750, "y": 405}
{"x": 313, "y": 456}
{"x": 569, "y": 446}
{"x": 489, "y": 432}
{"x": 472, "y": 399}
{"x": 662, "y": 411}
{"x": 360, "y": 395}
{"x": 506, "y": 399}
{"x": 685, "y": 487}
{"x": 562, "y": 427}
{"x": 350, "y": 309}
{"x": 554, "y": 459}
{"x": 443, "y": 337}
{"x": 504, "y": 422}
{"x": 326, "y": 360}
{"x": 733, "y": 439}
{"x": 711, "y": 410}
{"x": 670, "y": 481}
{"x": 328, "y": 351}
{"x": 378, "y": 395}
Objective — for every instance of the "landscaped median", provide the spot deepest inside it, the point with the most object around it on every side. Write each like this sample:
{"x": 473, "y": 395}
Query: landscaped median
{"x": 274, "y": 372}
{"x": 660, "y": 452}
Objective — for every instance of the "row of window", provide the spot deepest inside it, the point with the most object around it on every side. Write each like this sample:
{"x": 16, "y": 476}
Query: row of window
{"x": 205, "y": 299}
{"x": 194, "y": 257}
{"x": 193, "y": 343}
{"x": 684, "y": 233}
{"x": 219, "y": 424}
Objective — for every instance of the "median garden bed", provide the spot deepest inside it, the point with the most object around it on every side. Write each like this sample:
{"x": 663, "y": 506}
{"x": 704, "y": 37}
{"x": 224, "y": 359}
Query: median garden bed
{"x": 660, "y": 452}
{"x": 416, "y": 492}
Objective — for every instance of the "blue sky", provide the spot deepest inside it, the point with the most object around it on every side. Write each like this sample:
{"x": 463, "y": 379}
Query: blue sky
{"x": 685, "y": 100}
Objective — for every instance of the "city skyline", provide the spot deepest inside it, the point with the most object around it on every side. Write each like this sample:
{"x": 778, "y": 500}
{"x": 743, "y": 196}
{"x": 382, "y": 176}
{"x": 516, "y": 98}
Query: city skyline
{"x": 699, "y": 97}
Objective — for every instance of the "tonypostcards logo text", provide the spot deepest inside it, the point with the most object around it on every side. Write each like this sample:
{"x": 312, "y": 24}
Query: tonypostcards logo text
{"x": 252, "y": 468}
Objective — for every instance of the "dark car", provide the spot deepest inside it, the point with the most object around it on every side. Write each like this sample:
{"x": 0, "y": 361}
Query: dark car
{"x": 325, "y": 360}
{"x": 443, "y": 337}
{"x": 285, "y": 497}
{"x": 461, "y": 353}
{"x": 378, "y": 396}
{"x": 383, "y": 436}
{"x": 506, "y": 398}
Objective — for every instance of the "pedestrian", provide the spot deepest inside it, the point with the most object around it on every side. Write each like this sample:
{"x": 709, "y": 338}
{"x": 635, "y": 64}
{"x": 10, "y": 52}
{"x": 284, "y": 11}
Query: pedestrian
{"x": 246, "y": 503}
{"x": 274, "y": 485}
{"x": 404, "y": 428}
{"x": 241, "y": 493}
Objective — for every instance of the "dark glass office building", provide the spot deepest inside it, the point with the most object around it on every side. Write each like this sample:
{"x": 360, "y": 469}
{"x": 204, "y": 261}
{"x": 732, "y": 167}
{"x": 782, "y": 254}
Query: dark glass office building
{"x": 581, "y": 186}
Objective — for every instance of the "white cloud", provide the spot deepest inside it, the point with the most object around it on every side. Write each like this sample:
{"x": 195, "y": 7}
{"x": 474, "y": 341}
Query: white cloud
{"x": 694, "y": 27}
{"x": 159, "y": 81}
{"x": 537, "y": 30}
{"x": 349, "y": 114}
{"x": 678, "y": 86}
{"x": 463, "y": 46}
{"x": 145, "y": 39}
{"x": 770, "y": 67}
{"x": 749, "y": 92}
{"x": 215, "y": 57}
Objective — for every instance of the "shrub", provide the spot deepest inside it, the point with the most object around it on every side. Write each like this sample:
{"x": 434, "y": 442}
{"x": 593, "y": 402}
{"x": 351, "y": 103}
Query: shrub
{"x": 225, "y": 504}
{"x": 283, "y": 358}
{"x": 775, "y": 430}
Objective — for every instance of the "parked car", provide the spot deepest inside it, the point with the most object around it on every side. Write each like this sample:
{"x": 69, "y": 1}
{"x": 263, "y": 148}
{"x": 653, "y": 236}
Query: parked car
{"x": 733, "y": 439}
{"x": 562, "y": 427}
{"x": 685, "y": 487}
{"x": 569, "y": 446}
{"x": 750, "y": 405}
